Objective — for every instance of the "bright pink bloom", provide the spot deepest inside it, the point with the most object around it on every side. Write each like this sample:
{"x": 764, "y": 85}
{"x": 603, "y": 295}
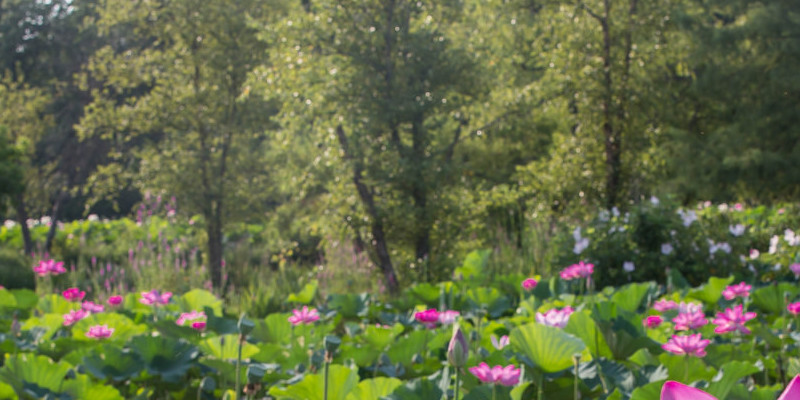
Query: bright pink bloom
{"x": 687, "y": 321}
{"x": 665, "y": 305}
{"x": 304, "y": 316}
{"x": 506, "y": 376}
{"x": 739, "y": 290}
{"x": 99, "y": 332}
{"x": 795, "y": 269}
{"x": 46, "y": 267}
{"x": 74, "y": 316}
{"x": 429, "y": 317}
{"x": 693, "y": 345}
{"x": 689, "y": 308}
{"x": 448, "y": 317}
{"x": 115, "y": 300}
{"x": 73, "y": 294}
{"x": 529, "y": 284}
{"x": 677, "y": 391}
{"x": 792, "y": 392}
{"x": 199, "y": 325}
{"x": 653, "y": 321}
{"x": 92, "y": 307}
{"x": 192, "y": 316}
{"x": 154, "y": 297}
{"x": 577, "y": 271}
{"x": 793, "y": 308}
{"x": 499, "y": 344}
{"x": 732, "y": 320}
{"x": 555, "y": 317}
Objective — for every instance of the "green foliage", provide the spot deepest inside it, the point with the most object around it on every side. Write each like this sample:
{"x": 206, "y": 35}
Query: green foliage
{"x": 15, "y": 270}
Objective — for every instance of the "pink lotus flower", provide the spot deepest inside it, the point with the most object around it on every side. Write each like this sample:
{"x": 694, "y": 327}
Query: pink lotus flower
{"x": 115, "y": 300}
{"x": 687, "y": 321}
{"x": 154, "y": 297}
{"x": 732, "y": 320}
{"x": 795, "y": 269}
{"x": 92, "y": 307}
{"x": 555, "y": 317}
{"x": 506, "y": 376}
{"x": 74, "y": 316}
{"x": 693, "y": 345}
{"x": 99, "y": 332}
{"x": 191, "y": 316}
{"x": 73, "y": 294}
{"x": 793, "y": 308}
{"x": 792, "y": 392}
{"x": 577, "y": 271}
{"x": 665, "y": 305}
{"x": 448, "y": 317}
{"x": 740, "y": 290}
{"x": 529, "y": 284}
{"x": 689, "y": 308}
{"x": 49, "y": 267}
{"x": 199, "y": 325}
{"x": 304, "y": 316}
{"x": 429, "y": 317}
{"x": 501, "y": 343}
{"x": 652, "y": 321}
{"x": 677, "y": 391}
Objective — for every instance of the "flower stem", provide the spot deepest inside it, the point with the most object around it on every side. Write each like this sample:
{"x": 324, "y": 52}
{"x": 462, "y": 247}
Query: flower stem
{"x": 325, "y": 379}
{"x": 494, "y": 391}
{"x": 458, "y": 383}
{"x": 238, "y": 365}
{"x": 539, "y": 388}
{"x": 686, "y": 371}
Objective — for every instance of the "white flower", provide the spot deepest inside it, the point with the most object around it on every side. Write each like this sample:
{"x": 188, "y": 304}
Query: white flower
{"x": 603, "y": 215}
{"x": 666, "y": 249}
{"x": 45, "y": 220}
{"x": 754, "y": 253}
{"x": 580, "y": 246}
{"x": 724, "y": 246}
{"x": 791, "y": 238}
{"x": 655, "y": 200}
{"x": 736, "y": 230}
{"x": 773, "y": 244}
{"x": 688, "y": 217}
{"x": 576, "y": 234}
{"x": 752, "y": 268}
{"x": 9, "y": 224}
{"x": 628, "y": 266}
{"x": 93, "y": 217}
{"x": 722, "y": 207}
{"x": 615, "y": 211}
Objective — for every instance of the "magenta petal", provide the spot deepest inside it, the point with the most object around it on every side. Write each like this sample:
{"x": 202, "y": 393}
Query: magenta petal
{"x": 792, "y": 391}
{"x": 677, "y": 391}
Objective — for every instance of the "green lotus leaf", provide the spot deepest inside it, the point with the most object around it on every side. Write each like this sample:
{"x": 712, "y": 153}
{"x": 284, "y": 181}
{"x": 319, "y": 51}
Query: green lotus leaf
{"x": 583, "y": 326}
{"x": 305, "y": 295}
{"x": 48, "y": 322}
{"x": 710, "y": 292}
{"x": 732, "y": 373}
{"x": 374, "y": 389}
{"x": 379, "y": 338}
{"x": 198, "y": 299}
{"x": 26, "y": 298}
{"x": 226, "y": 347}
{"x": 275, "y": 328}
{"x": 630, "y": 296}
{"x": 771, "y": 298}
{"x": 111, "y": 362}
{"x": 341, "y": 380}
{"x": 170, "y": 358}
{"x": 551, "y": 349}
{"x": 124, "y": 327}
{"x": 27, "y": 371}
{"x": 418, "y": 389}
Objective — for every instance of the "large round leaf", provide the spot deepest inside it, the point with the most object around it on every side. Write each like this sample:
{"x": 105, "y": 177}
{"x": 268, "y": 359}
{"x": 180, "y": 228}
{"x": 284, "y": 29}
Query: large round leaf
{"x": 551, "y": 349}
{"x": 124, "y": 327}
{"x": 167, "y": 357}
{"x": 341, "y": 381}
{"x": 112, "y": 362}
{"x": 374, "y": 389}
{"x": 227, "y": 348}
{"x": 198, "y": 299}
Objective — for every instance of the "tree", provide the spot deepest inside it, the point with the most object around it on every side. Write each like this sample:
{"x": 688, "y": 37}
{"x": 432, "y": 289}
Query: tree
{"x": 191, "y": 128}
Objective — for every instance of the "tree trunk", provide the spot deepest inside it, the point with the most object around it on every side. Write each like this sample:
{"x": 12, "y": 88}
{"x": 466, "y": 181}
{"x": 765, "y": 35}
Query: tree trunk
{"x": 214, "y": 232}
{"x": 51, "y": 234}
{"x": 611, "y": 136}
{"x": 382, "y": 255}
{"x": 22, "y": 218}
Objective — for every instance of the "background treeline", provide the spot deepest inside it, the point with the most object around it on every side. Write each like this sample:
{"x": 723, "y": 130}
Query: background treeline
{"x": 409, "y": 131}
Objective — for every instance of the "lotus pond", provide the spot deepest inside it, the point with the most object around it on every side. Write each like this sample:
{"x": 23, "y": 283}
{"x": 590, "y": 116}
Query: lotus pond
{"x": 519, "y": 337}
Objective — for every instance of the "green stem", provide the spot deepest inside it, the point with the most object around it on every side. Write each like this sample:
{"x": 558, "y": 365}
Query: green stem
{"x": 458, "y": 383}
{"x": 539, "y": 388}
{"x": 494, "y": 391}
{"x": 238, "y": 366}
{"x": 325, "y": 380}
{"x": 686, "y": 371}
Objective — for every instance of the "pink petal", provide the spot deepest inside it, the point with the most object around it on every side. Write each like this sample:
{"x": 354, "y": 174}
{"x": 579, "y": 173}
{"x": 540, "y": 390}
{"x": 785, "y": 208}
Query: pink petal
{"x": 677, "y": 391}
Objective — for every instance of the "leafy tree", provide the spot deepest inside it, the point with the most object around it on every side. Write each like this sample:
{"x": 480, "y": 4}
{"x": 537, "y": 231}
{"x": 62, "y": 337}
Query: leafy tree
{"x": 176, "y": 109}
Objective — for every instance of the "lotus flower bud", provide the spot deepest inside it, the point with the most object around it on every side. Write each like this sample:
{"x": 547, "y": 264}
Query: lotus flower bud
{"x": 458, "y": 350}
